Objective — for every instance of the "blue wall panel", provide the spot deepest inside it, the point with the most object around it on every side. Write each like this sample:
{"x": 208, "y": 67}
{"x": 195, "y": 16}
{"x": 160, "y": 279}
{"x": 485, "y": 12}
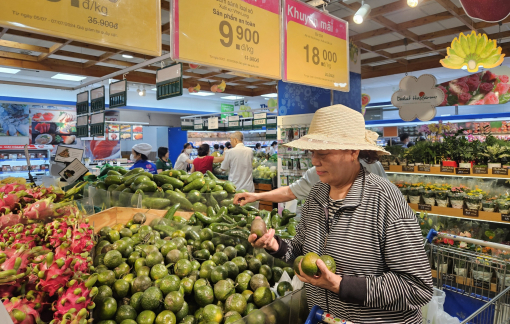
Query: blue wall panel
{"x": 296, "y": 99}
{"x": 351, "y": 99}
{"x": 176, "y": 140}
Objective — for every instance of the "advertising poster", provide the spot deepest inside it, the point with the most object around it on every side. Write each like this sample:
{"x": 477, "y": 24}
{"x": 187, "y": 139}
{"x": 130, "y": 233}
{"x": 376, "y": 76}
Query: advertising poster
{"x": 68, "y": 154}
{"x": 73, "y": 171}
{"x": 14, "y": 120}
{"x": 53, "y": 125}
{"x": 137, "y": 129}
{"x": 102, "y": 150}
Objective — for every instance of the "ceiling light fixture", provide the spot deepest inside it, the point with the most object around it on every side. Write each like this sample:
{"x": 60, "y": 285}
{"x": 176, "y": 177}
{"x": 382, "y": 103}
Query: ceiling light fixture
{"x": 362, "y": 13}
{"x": 413, "y": 3}
{"x": 142, "y": 92}
{"x": 315, "y": 3}
{"x": 270, "y": 95}
{"x": 127, "y": 56}
{"x": 10, "y": 71}
{"x": 155, "y": 89}
{"x": 68, "y": 77}
{"x": 202, "y": 94}
{"x": 232, "y": 98}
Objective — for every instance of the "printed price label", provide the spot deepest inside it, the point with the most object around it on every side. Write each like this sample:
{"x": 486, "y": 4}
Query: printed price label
{"x": 462, "y": 171}
{"x": 500, "y": 171}
{"x": 449, "y": 277}
{"x": 198, "y": 127}
{"x": 316, "y": 47}
{"x": 447, "y": 169}
{"x": 479, "y": 170}
{"x": 406, "y": 168}
{"x": 386, "y": 167}
{"x": 505, "y": 217}
{"x": 424, "y": 207}
{"x": 470, "y": 212}
{"x": 241, "y": 35}
{"x": 423, "y": 168}
{"x": 259, "y": 122}
{"x": 233, "y": 124}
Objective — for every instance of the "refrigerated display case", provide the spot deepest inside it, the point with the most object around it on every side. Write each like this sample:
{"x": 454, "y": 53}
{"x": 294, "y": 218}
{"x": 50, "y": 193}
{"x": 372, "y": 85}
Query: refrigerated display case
{"x": 13, "y": 163}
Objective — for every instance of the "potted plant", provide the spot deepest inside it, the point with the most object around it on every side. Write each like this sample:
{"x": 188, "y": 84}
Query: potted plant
{"x": 403, "y": 187}
{"x": 482, "y": 269}
{"x": 429, "y": 195}
{"x": 473, "y": 199}
{"x": 441, "y": 195}
{"x": 503, "y": 205}
{"x": 456, "y": 197}
{"x": 414, "y": 192}
{"x": 489, "y": 204}
{"x": 494, "y": 154}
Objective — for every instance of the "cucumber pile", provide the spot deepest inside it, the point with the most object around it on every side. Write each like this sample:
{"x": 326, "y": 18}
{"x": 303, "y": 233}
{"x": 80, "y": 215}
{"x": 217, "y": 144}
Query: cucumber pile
{"x": 197, "y": 271}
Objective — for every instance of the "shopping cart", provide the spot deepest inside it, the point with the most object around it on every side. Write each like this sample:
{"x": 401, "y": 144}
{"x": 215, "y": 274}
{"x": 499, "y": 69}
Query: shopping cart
{"x": 473, "y": 293}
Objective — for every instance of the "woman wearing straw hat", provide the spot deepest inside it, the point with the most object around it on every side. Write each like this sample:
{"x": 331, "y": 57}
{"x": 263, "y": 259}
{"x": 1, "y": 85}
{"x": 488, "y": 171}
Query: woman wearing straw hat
{"x": 362, "y": 221}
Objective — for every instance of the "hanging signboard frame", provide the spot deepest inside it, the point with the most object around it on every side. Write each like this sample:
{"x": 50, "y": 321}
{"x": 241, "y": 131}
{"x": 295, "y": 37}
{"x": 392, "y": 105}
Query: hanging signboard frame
{"x": 82, "y": 126}
{"x": 97, "y": 124}
{"x": 118, "y": 94}
{"x": 82, "y": 103}
{"x": 97, "y": 99}
{"x": 169, "y": 81}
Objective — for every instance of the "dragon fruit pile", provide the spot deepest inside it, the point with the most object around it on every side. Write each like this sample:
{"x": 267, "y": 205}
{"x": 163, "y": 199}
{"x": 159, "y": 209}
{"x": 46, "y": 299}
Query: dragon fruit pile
{"x": 45, "y": 262}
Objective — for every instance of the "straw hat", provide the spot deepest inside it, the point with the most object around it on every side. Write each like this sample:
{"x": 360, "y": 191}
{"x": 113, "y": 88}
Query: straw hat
{"x": 338, "y": 128}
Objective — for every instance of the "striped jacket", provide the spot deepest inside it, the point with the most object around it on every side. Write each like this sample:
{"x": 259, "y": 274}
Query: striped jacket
{"x": 377, "y": 246}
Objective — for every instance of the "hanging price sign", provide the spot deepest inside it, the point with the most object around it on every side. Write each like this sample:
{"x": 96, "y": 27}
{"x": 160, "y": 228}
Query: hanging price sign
{"x": 241, "y": 35}
{"x": 316, "y": 47}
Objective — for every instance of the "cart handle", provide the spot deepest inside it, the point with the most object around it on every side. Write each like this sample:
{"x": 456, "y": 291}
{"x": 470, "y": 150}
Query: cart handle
{"x": 433, "y": 233}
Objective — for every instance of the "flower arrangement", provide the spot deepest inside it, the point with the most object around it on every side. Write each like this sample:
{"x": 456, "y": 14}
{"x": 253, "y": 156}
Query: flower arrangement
{"x": 489, "y": 204}
{"x": 441, "y": 195}
{"x": 473, "y": 200}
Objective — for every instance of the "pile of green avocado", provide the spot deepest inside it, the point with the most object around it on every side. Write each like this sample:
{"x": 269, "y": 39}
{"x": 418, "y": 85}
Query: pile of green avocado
{"x": 172, "y": 271}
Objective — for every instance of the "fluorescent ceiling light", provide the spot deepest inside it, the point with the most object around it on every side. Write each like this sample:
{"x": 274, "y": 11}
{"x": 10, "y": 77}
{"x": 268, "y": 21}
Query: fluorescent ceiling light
{"x": 68, "y": 77}
{"x": 412, "y": 3}
{"x": 270, "y": 95}
{"x": 362, "y": 13}
{"x": 127, "y": 56}
{"x": 202, "y": 94}
{"x": 155, "y": 89}
{"x": 10, "y": 71}
{"x": 232, "y": 98}
{"x": 315, "y": 3}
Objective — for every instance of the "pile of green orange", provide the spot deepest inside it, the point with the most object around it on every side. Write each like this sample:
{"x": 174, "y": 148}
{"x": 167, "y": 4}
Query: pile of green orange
{"x": 173, "y": 272}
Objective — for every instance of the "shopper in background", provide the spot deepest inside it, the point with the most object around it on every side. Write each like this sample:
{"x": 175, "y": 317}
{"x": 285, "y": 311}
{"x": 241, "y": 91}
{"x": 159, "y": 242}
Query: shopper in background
{"x": 299, "y": 189}
{"x": 216, "y": 151}
{"x": 274, "y": 148}
{"x": 222, "y": 149}
{"x": 239, "y": 161}
{"x": 228, "y": 146}
{"x": 163, "y": 163}
{"x": 258, "y": 148}
{"x": 204, "y": 161}
{"x": 404, "y": 139}
{"x": 363, "y": 222}
{"x": 183, "y": 160}
{"x": 140, "y": 155}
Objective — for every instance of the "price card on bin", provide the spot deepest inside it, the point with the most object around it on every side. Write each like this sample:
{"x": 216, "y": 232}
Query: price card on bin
{"x": 242, "y": 35}
{"x": 316, "y": 47}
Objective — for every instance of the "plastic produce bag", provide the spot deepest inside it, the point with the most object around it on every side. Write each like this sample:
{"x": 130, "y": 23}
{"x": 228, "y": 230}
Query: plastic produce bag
{"x": 433, "y": 312}
{"x": 296, "y": 283}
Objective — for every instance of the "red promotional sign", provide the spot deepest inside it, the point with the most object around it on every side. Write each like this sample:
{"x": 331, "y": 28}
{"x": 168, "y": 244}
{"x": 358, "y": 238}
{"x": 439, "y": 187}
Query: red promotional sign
{"x": 316, "y": 48}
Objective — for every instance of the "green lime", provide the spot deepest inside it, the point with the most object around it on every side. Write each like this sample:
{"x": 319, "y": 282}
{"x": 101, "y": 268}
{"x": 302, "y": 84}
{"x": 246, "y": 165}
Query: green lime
{"x": 236, "y": 302}
{"x": 120, "y": 288}
{"x": 107, "y": 309}
{"x": 223, "y": 289}
{"x": 219, "y": 273}
{"x": 125, "y": 312}
{"x": 140, "y": 284}
{"x": 154, "y": 258}
{"x": 106, "y": 278}
{"x": 187, "y": 285}
{"x": 212, "y": 313}
{"x": 204, "y": 295}
{"x": 241, "y": 250}
{"x": 158, "y": 271}
{"x": 166, "y": 317}
{"x": 103, "y": 292}
{"x": 240, "y": 262}
{"x": 151, "y": 298}
{"x": 169, "y": 283}
{"x": 182, "y": 268}
{"x": 243, "y": 282}
{"x": 262, "y": 296}
{"x": 146, "y": 317}
{"x": 112, "y": 259}
{"x": 183, "y": 312}
{"x": 219, "y": 258}
{"x": 136, "y": 301}
{"x": 262, "y": 257}
{"x": 174, "y": 301}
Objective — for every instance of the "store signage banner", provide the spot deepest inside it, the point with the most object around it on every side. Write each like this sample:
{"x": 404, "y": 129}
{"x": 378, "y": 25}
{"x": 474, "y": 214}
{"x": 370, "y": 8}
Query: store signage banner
{"x": 417, "y": 98}
{"x": 127, "y": 25}
{"x": 484, "y": 88}
{"x": 14, "y": 120}
{"x": 316, "y": 47}
{"x": 241, "y": 35}
{"x": 226, "y": 108}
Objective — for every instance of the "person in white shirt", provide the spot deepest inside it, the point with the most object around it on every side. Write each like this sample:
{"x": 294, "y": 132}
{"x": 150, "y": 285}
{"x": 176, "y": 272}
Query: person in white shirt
{"x": 239, "y": 161}
{"x": 258, "y": 148}
{"x": 274, "y": 148}
{"x": 183, "y": 160}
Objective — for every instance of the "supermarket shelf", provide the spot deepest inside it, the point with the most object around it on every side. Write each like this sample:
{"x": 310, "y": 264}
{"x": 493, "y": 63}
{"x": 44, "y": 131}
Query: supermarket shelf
{"x": 22, "y": 160}
{"x": 463, "y": 281}
{"x": 436, "y": 171}
{"x": 453, "y": 212}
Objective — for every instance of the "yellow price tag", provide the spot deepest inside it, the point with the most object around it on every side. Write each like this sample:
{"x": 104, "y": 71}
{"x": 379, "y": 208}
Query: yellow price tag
{"x": 240, "y": 35}
{"x": 316, "y": 50}
{"x": 133, "y": 26}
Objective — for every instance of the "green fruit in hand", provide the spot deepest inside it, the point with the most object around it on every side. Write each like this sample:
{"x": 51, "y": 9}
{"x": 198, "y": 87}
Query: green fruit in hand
{"x": 258, "y": 227}
{"x": 329, "y": 262}
{"x": 296, "y": 264}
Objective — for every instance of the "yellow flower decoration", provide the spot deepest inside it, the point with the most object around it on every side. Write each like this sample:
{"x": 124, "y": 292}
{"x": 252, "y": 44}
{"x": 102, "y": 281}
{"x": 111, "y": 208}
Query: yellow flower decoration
{"x": 473, "y": 51}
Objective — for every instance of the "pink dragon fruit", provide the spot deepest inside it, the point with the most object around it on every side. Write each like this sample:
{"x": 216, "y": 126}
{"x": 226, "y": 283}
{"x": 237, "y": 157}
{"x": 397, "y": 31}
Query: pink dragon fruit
{"x": 53, "y": 274}
{"x": 83, "y": 238}
{"x": 19, "y": 234}
{"x": 82, "y": 262}
{"x": 10, "y": 201}
{"x": 44, "y": 209}
{"x": 58, "y": 232}
{"x": 15, "y": 265}
{"x": 73, "y": 304}
{"x": 21, "y": 312}
{"x": 10, "y": 220}
{"x": 13, "y": 187}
